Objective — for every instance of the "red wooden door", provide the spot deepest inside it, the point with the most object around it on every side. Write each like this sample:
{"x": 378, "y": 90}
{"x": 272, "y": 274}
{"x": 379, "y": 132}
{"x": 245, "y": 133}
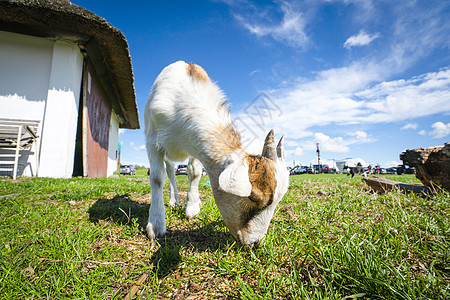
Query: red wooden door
{"x": 96, "y": 123}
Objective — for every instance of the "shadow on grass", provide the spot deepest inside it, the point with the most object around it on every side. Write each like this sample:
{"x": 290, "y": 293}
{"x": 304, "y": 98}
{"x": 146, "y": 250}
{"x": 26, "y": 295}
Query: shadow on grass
{"x": 120, "y": 209}
{"x": 204, "y": 237}
{"x": 197, "y": 235}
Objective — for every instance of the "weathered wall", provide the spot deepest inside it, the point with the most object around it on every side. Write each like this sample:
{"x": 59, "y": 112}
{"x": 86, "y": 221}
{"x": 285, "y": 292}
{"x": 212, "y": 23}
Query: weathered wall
{"x": 97, "y": 122}
{"x": 113, "y": 145}
{"x": 40, "y": 79}
{"x": 61, "y": 112}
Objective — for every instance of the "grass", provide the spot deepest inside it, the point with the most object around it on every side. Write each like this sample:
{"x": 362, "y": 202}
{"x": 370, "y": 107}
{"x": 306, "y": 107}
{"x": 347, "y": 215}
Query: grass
{"x": 330, "y": 238}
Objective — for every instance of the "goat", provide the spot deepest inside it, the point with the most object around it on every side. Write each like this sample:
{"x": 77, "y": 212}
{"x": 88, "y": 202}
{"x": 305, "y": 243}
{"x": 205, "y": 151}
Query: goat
{"x": 186, "y": 115}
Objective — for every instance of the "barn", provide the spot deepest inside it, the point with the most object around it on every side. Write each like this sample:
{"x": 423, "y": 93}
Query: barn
{"x": 66, "y": 87}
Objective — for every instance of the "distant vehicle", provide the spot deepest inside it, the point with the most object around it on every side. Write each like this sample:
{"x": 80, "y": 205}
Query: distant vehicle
{"x": 127, "y": 170}
{"x": 410, "y": 170}
{"x": 181, "y": 170}
{"x": 392, "y": 170}
{"x": 324, "y": 169}
{"x": 405, "y": 170}
{"x": 299, "y": 170}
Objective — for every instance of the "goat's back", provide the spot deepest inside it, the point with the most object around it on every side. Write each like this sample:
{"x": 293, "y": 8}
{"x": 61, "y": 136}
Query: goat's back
{"x": 184, "y": 106}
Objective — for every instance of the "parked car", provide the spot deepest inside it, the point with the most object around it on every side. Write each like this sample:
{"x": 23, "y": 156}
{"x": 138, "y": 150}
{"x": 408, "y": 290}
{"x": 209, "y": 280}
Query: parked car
{"x": 401, "y": 169}
{"x": 299, "y": 170}
{"x": 127, "y": 170}
{"x": 410, "y": 170}
{"x": 324, "y": 169}
{"x": 181, "y": 170}
{"x": 391, "y": 170}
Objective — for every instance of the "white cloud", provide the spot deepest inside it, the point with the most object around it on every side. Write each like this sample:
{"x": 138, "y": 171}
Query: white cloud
{"x": 332, "y": 144}
{"x": 254, "y": 72}
{"x": 337, "y": 144}
{"x": 419, "y": 96}
{"x": 422, "y": 132}
{"x": 294, "y": 153}
{"x": 121, "y": 131}
{"x": 361, "y": 39}
{"x": 360, "y": 137}
{"x": 290, "y": 30}
{"x": 140, "y": 148}
{"x": 298, "y": 151}
{"x": 341, "y": 97}
{"x": 329, "y": 144}
{"x": 440, "y": 130}
{"x": 391, "y": 163}
{"x": 410, "y": 126}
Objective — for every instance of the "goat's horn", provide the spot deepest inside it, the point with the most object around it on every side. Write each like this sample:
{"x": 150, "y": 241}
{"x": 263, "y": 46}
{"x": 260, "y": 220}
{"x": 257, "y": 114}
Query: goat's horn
{"x": 280, "y": 148}
{"x": 269, "y": 149}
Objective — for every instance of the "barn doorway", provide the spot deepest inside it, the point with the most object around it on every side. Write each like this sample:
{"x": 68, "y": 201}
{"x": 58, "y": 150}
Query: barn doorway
{"x": 92, "y": 141}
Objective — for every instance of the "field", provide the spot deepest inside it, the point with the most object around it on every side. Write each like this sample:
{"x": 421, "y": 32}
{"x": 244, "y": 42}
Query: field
{"x": 330, "y": 238}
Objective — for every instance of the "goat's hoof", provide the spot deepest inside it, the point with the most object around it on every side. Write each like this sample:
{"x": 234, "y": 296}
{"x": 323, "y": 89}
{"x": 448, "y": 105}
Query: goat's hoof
{"x": 153, "y": 233}
{"x": 174, "y": 203}
{"x": 150, "y": 233}
{"x": 192, "y": 210}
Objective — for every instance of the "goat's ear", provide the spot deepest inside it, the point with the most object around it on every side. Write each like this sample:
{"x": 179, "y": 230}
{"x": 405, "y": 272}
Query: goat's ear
{"x": 234, "y": 180}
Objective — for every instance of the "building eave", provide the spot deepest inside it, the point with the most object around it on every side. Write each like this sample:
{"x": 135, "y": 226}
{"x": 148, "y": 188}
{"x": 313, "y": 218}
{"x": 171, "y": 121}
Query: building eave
{"x": 104, "y": 44}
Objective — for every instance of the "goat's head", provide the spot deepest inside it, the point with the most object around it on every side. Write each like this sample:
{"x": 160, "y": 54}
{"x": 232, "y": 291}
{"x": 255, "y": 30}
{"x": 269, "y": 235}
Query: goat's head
{"x": 249, "y": 190}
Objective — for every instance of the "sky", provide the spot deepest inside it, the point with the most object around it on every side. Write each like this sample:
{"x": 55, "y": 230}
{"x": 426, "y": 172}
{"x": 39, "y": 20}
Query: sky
{"x": 366, "y": 79}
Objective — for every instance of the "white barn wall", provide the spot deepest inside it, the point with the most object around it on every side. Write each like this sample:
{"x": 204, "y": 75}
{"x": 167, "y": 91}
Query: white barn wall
{"x": 25, "y": 64}
{"x": 61, "y": 112}
{"x": 113, "y": 146}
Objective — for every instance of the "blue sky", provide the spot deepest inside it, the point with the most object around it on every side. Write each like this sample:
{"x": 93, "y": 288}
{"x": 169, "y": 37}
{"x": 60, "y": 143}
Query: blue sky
{"x": 364, "y": 79}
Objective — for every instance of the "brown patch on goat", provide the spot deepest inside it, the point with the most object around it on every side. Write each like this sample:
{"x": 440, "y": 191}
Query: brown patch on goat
{"x": 197, "y": 72}
{"x": 224, "y": 141}
{"x": 261, "y": 172}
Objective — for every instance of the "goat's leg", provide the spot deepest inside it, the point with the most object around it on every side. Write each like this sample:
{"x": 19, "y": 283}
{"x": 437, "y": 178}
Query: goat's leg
{"x": 174, "y": 199}
{"x": 193, "y": 200}
{"x": 156, "y": 225}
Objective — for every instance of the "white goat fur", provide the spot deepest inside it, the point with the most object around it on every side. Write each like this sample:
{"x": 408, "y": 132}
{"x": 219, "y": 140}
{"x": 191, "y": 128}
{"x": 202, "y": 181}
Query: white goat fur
{"x": 186, "y": 116}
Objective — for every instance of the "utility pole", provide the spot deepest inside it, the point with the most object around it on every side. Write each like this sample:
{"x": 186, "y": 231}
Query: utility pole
{"x": 318, "y": 158}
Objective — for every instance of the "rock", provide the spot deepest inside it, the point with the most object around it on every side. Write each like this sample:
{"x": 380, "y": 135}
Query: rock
{"x": 432, "y": 165}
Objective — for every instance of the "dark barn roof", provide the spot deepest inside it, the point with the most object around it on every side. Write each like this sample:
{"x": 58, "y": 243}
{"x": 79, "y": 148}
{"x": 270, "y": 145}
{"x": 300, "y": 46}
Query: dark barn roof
{"x": 104, "y": 44}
